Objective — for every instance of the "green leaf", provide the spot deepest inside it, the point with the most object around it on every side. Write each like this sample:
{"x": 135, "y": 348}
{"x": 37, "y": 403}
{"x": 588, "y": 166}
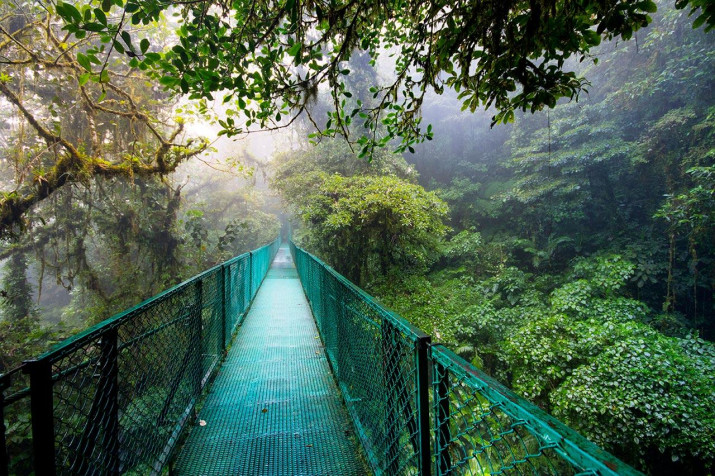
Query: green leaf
{"x": 70, "y": 12}
{"x": 592, "y": 38}
{"x": 83, "y": 60}
{"x": 144, "y": 45}
{"x": 699, "y": 21}
{"x": 127, "y": 39}
{"x": 168, "y": 81}
{"x": 104, "y": 76}
{"x": 649, "y": 6}
{"x": 106, "y": 5}
{"x": 83, "y": 78}
{"x": 94, "y": 27}
{"x": 100, "y": 16}
{"x": 295, "y": 49}
{"x": 118, "y": 46}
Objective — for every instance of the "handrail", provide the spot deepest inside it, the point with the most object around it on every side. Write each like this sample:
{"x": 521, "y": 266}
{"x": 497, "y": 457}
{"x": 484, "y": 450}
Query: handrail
{"x": 117, "y": 396}
{"x": 429, "y": 411}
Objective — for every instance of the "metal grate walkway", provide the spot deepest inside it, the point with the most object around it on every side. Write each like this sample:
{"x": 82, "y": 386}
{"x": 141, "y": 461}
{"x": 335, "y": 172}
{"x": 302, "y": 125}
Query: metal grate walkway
{"x": 274, "y": 408}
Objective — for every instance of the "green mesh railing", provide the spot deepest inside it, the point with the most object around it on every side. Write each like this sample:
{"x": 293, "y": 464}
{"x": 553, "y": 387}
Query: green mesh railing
{"x": 115, "y": 398}
{"x": 420, "y": 409}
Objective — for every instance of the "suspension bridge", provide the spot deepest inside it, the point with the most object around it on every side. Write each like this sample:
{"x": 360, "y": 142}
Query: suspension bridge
{"x": 272, "y": 364}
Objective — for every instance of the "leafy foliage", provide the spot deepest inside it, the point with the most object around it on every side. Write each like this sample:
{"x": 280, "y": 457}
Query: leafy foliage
{"x": 364, "y": 218}
{"x": 270, "y": 58}
{"x": 71, "y": 112}
{"x": 366, "y": 223}
{"x": 647, "y": 396}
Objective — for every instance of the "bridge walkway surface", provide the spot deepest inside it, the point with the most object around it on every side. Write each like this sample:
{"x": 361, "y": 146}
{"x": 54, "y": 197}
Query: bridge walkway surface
{"x": 274, "y": 407}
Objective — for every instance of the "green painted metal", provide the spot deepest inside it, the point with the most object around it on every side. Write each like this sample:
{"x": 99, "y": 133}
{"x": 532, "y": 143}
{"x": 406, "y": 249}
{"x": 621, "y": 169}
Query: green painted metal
{"x": 274, "y": 407}
{"x": 487, "y": 429}
{"x": 374, "y": 355}
{"x": 475, "y": 425}
{"x": 115, "y": 398}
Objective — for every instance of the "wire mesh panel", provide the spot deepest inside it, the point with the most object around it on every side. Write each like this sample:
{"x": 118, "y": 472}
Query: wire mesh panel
{"x": 237, "y": 292}
{"x": 482, "y": 428}
{"x": 422, "y": 409}
{"x": 115, "y": 398}
{"x": 274, "y": 409}
{"x": 260, "y": 262}
{"x": 375, "y": 358}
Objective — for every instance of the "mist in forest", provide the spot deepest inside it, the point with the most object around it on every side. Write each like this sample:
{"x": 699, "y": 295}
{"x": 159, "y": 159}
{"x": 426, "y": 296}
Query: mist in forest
{"x": 569, "y": 254}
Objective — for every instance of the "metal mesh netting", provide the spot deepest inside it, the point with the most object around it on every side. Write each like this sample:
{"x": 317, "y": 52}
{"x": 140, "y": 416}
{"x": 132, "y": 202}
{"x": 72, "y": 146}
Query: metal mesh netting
{"x": 483, "y": 428}
{"x": 115, "y": 398}
{"x": 274, "y": 408}
{"x": 397, "y": 388}
{"x": 237, "y": 293}
{"x": 374, "y": 358}
{"x": 260, "y": 263}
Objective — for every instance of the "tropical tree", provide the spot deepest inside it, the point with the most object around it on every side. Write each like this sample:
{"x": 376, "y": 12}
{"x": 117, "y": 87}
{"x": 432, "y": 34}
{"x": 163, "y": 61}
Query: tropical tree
{"x": 270, "y": 58}
{"x": 65, "y": 123}
{"x": 368, "y": 226}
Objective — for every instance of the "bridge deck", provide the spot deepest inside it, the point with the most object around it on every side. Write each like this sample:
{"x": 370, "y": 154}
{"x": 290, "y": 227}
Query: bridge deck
{"x": 274, "y": 408}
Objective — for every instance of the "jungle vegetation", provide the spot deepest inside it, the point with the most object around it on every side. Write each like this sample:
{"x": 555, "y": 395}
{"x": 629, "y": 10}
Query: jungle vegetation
{"x": 576, "y": 261}
{"x": 558, "y": 231}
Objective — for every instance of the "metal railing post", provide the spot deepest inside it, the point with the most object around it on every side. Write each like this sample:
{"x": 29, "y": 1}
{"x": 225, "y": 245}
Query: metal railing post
{"x": 43, "y": 420}
{"x": 224, "y": 304}
{"x": 197, "y": 334}
{"x": 110, "y": 375}
{"x": 442, "y": 424}
{"x": 423, "y": 410}
{"x": 103, "y": 418}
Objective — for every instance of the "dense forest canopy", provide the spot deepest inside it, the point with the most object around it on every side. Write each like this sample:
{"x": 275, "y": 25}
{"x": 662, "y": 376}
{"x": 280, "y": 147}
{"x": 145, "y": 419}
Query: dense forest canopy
{"x": 567, "y": 250}
{"x": 269, "y": 61}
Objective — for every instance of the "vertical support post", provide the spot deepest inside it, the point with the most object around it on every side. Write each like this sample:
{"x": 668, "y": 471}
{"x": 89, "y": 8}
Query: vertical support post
{"x": 250, "y": 276}
{"x": 4, "y": 458}
{"x": 196, "y": 335}
{"x": 245, "y": 271}
{"x": 224, "y": 304}
{"x": 103, "y": 417}
{"x": 43, "y": 420}
{"x": 232, "y": 313}
{"x": 388, "y": 366}
{"x": 442, "y": 415}
{"x": 110, "y": 376}
{"x": 423, "y": 389}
